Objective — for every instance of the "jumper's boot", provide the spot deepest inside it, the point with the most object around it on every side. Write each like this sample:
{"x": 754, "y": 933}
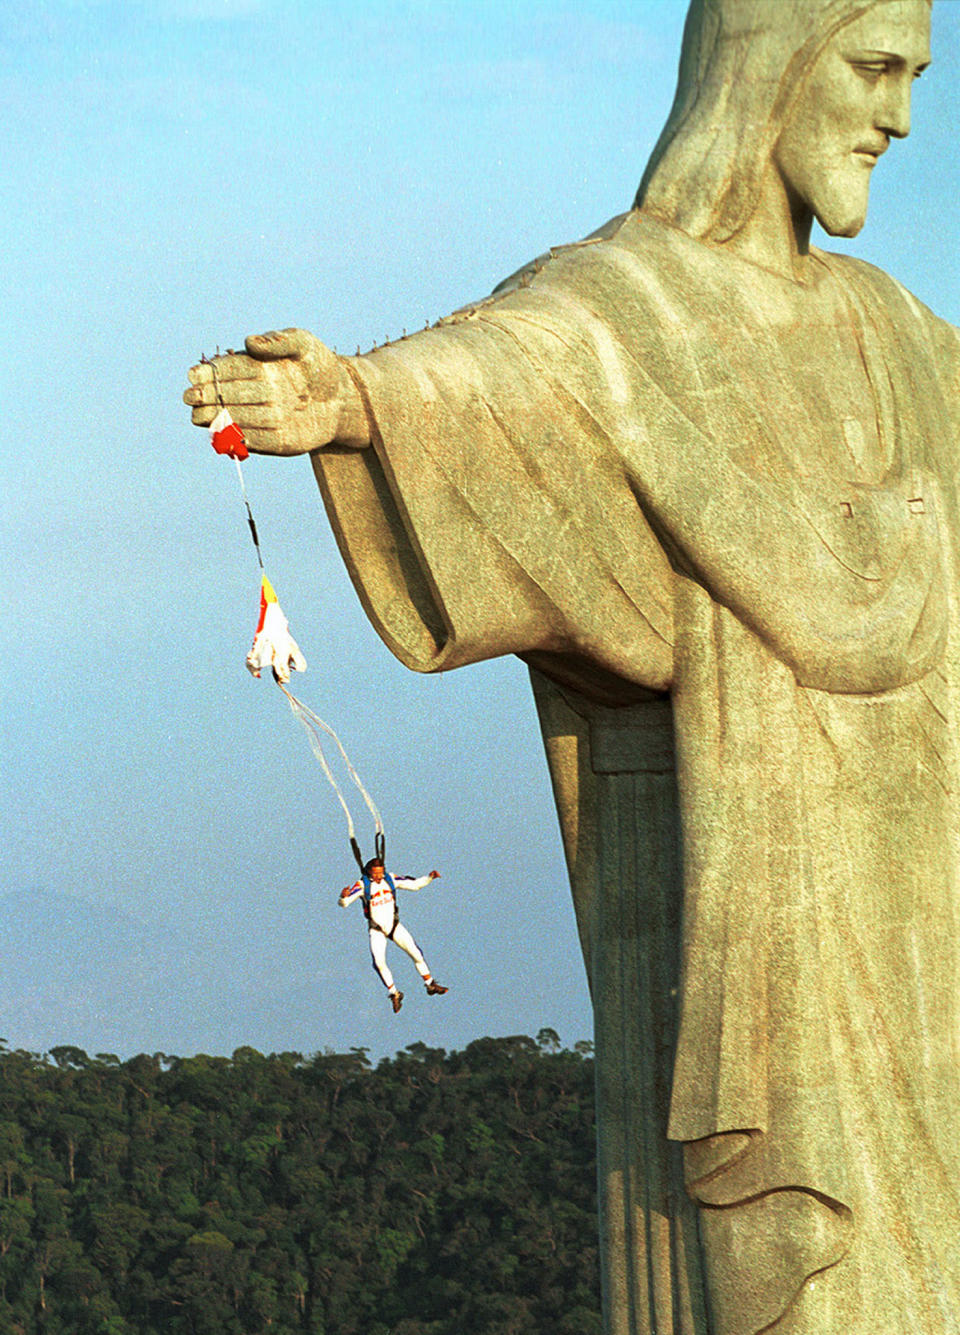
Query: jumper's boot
{"x": 396, "y": 1001}
{"x": 434, "y": 989}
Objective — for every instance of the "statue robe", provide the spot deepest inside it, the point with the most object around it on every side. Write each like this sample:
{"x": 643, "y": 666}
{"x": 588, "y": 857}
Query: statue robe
{"x": 715, "y": 511}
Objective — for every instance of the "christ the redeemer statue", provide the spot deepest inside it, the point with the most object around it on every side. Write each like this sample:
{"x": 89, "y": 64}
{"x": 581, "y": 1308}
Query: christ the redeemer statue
{"x": 702, "y": 478}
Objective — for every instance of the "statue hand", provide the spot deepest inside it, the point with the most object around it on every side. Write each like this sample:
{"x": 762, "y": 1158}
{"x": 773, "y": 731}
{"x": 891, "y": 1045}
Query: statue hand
{"x": 288, "y": 395}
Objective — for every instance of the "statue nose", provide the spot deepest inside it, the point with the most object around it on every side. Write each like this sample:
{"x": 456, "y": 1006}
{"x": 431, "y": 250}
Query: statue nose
{"x": 893, "y": 116}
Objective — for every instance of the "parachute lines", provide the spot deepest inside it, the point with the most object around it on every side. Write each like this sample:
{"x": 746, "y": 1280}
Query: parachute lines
{"x": 316, "y": 728}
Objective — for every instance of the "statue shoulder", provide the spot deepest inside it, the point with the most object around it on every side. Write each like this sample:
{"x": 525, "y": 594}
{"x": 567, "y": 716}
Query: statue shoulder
{"x": 552, "y": 263}
{"x": 523, "y": 276}
{"x": 876, "y": 287}
{"x": 566, "y": 275}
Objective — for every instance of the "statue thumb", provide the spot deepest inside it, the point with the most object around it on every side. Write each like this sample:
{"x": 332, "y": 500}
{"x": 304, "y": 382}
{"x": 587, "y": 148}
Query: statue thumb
{"x": 296, "y": 344}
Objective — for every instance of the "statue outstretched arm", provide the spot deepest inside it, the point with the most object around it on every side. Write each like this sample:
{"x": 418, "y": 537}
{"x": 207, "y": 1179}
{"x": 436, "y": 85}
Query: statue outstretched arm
{"x": 289, "y": 394}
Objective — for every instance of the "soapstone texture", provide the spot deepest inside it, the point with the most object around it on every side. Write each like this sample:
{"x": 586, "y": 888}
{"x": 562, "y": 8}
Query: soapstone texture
{"x": 700, "y": 476}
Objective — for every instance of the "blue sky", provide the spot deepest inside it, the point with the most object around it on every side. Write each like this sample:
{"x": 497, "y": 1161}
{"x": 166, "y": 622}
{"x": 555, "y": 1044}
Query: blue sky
{"x": 178, "y": 175}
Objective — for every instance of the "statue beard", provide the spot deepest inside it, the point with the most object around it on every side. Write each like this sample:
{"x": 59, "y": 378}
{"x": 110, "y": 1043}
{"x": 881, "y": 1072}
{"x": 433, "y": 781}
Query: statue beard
{"x": 839, "y": 198}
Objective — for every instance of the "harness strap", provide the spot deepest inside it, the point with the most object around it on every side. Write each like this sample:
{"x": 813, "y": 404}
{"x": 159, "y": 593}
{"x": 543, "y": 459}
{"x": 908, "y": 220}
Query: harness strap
{"x": 375, "y": 926}
{"x": 356, "y": 853}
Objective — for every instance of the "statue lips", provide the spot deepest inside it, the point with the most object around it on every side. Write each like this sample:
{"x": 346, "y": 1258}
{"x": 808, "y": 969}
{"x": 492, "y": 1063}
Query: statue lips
{"x": 868, "y": 154}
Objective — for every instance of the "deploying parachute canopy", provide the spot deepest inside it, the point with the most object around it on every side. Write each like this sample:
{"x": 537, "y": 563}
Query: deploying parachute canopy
{"x": 273, "y": 645}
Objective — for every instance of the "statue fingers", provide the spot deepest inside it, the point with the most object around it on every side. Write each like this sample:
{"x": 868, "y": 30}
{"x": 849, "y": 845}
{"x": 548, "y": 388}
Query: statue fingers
{"x": 272, "y": 440}
{"x": 228, "y": 382}
{"x": 232, "y": 392}
{"x": 256, "y": 416}
{"x": 199, "y": 395}
{"x": 277, "y": 432}
{"x": 231, "y": 366}
{"x": 201, "y": 374}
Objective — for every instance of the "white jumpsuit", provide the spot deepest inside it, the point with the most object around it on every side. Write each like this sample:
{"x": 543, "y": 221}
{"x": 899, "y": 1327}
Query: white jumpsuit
{"x": 385, "y": 924}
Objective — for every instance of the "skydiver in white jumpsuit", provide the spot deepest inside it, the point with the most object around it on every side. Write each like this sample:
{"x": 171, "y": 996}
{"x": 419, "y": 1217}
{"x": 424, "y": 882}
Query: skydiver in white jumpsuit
{"x": 378, "y": 891}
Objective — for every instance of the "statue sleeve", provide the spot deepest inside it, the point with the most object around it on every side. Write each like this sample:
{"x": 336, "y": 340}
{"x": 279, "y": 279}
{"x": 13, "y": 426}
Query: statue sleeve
{"x": 492, "y": 514}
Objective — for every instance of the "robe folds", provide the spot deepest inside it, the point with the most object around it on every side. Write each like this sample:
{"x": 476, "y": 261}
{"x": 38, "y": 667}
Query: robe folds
{"x": 688, "y": 490}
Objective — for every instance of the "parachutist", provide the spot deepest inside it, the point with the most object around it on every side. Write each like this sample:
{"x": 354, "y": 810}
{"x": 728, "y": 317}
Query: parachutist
{"x": 379, "y": 897}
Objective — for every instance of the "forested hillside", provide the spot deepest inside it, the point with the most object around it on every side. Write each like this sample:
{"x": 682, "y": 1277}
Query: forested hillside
{"x": 435, "y": 1194}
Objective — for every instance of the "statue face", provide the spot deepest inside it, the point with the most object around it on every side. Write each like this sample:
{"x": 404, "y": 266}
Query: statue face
{"x": 855, "y": 99}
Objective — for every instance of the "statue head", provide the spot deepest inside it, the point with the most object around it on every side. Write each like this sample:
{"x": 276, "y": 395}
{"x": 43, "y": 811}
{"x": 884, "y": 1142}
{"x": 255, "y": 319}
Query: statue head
{"x": 815, "y": 88}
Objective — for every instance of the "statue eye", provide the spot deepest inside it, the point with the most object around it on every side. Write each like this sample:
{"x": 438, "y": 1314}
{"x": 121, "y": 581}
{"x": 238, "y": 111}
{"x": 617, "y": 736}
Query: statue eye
{"x": 871, "y": 70}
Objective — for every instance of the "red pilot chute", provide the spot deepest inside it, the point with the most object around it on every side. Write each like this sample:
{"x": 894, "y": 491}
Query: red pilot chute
{"x": 226, "y": 437}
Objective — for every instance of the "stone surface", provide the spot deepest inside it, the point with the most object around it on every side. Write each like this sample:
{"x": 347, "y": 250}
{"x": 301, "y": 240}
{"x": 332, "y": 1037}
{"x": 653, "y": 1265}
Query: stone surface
{"x": 700, "y": 476}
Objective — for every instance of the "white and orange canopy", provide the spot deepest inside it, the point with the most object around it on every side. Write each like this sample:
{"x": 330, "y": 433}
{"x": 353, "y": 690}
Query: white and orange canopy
{"x": 273, "y": 645}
